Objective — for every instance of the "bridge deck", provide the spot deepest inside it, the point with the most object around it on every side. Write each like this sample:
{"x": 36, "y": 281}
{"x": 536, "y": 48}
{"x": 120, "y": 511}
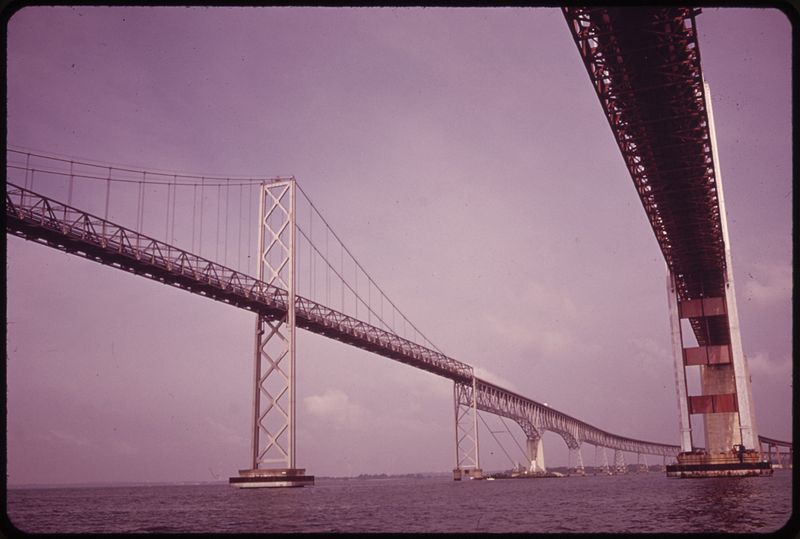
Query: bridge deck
{"x": 35, "y": 217}
{"x": 644, "y": 64}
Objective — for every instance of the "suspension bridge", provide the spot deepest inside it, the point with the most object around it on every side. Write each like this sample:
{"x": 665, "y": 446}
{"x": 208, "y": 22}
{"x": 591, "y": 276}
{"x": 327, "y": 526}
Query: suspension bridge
{"x": 196, "y": 233}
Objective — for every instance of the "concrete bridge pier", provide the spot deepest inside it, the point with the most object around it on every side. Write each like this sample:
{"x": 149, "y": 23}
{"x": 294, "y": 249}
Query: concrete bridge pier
{"x": 536, "y": 455}
{"x": 620, "y": 467}
{"x": 575, "y": 456}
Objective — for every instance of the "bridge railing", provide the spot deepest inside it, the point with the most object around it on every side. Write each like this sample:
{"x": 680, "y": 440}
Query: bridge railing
{"x": 505, "y": 403}
{"x": 34, "y": 216}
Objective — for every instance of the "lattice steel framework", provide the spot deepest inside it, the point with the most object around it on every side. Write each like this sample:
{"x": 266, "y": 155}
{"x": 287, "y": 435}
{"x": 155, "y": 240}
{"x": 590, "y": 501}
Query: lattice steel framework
{"x": 644, "y": 64}
{"x": 774, "y": 453}
{"x": 466, "y": 414}
{"x": 46, "y": 221}
{"x": 275, "y": 346}
{"x": 534, "y": 418}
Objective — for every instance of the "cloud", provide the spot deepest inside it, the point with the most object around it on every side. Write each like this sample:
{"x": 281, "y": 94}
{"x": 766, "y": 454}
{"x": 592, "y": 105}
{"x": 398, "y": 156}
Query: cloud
{"x": 122, "y": 447}
{"x": 225, "y": 433}
{"x": 529, "y": 334}
{"x": 541, "y": 323}
{"x": 334, "y": 405}
{"x": 558, "y": 304}
{"x": 650, "y": 352}
{"x": 70, "y": 439}
{"x": 768, "y": 283}
{"x": 494, "y": 378}
{"x": 761, "y": 364}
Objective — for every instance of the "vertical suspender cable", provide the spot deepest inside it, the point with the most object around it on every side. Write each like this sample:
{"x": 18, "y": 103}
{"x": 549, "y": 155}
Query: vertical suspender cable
{"x": 341, "y": 270}
{"x": 327, "y": 271}
{"x": 249, "y": 224}
{"x": 166, "y": 226}
{"x": 355, "y": 268}
{"x": 227, "y": 197}
{"x": 200, "y": 236}
{"x": 138, "y": 204}
{"x": 69, "y": 189}
{"x": 239, "y": 241}
{"x": 108, "y": 193}
{"x": 174, "y": 196}
{"x": 144, "y": 192}
{"x": 219, "y": 199}
{"x": 27, "y": 168}
{"x": 69, "y": 201}
{"x": 194, "y": 211}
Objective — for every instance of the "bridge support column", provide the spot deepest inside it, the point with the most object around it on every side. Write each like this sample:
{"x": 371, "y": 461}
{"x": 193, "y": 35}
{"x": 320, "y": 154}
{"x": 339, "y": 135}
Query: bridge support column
{"x": 575, "y": 455}
{"x": 641, "y": 467}
{"x": 465, "y": 398}
{"x": 620, "y": 467}
{"x": 273, "y": 435}
{"x": 536, "y": 455}
{"x": 726, "y": 402}
{"x": 604, "y": 469}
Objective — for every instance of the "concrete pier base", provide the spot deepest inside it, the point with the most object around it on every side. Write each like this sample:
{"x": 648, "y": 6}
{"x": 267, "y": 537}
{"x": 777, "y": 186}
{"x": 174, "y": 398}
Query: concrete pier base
{"x": 467, "y": 473}
{"x": 730, "y": 464}
{"x": 272, "y": 478}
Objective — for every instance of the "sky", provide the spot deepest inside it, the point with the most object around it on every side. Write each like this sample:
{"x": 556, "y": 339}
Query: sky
{"x": 463, "y": 157}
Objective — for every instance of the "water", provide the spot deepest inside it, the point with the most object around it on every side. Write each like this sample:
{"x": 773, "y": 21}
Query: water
{"x": 631, "y": 503}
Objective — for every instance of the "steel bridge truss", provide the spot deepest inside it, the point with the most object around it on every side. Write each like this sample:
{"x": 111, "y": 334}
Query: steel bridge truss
{"x": 535, "y": 418}
{"x": 780, "y": 459}
{"x": 37, "y": 218}
{"x": 52, "y": 223}
{"x": 644, "y": 64}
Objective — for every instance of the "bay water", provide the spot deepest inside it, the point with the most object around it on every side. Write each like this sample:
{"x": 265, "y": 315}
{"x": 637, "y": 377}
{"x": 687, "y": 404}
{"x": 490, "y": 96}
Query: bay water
{"x": 645, "y": 503}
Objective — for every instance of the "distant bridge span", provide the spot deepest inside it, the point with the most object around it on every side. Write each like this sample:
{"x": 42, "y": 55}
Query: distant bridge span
{"x": 41, "y": 219}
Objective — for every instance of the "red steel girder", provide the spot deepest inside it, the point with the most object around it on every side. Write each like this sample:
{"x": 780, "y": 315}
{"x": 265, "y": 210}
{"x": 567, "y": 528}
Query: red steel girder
{"x": 644, "y": 64}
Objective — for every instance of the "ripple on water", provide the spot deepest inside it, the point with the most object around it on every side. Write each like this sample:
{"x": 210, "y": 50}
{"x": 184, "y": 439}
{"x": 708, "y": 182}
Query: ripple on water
{"x": 633, "y": 503}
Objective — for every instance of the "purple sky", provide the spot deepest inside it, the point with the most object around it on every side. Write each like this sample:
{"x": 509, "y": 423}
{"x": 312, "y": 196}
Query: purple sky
{"x": 464, "y": 158}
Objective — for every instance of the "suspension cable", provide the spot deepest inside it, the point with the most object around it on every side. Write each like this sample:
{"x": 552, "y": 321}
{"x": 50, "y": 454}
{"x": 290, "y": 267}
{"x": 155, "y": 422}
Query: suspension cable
{"x": 495, "y": 439}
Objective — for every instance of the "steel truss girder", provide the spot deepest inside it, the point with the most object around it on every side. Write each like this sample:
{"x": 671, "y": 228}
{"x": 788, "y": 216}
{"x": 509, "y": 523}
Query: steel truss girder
{"x": 37, "y": 218}
{"x": 535, "y": 418}
{"x": 644, "y": 64}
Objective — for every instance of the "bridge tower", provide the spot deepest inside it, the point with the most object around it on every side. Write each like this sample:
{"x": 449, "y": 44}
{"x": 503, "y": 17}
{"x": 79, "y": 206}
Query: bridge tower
{"x": 468, "y": 464}
{"x": 725, "y": 402}
{"x": 274, "y": 419}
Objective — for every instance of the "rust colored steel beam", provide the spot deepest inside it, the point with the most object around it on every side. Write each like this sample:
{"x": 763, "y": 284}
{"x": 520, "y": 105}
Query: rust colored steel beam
{"x": 644, "y": 64}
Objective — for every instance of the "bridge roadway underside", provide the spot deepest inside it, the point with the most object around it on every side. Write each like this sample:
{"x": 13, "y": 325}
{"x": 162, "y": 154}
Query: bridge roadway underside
{"x": 46, "y": 221}
{"x": 644, "y": 64}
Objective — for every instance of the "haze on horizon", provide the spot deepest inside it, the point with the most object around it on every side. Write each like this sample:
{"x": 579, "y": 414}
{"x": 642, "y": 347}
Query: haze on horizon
{"x": 464, "y": 158}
